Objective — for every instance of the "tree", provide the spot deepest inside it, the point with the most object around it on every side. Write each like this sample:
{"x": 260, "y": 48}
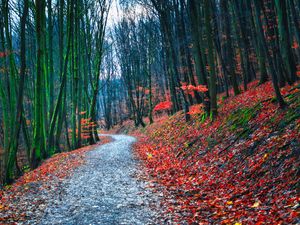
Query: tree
{"x": 285, "y": 39}
{"x": 14, "y": 141}
{"x": 211, "y": 63}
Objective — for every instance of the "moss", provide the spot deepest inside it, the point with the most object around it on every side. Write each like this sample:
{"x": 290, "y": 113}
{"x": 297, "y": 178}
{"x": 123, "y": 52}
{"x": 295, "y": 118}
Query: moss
{"x": 291, "y": 96}
{"x": 292, "y": 115}
{"x": 224, "y": 98}
{"x": 274, "y": 100}
{"x": 211, "y": 142}
{"x": 293, "y": 112}
{"x": 143, "y": 129}
{"x": 26, "y": 168}
{"x": 238, "y": 121}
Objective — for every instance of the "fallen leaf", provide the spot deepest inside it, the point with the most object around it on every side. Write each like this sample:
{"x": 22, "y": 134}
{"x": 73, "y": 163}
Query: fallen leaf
{"x": 255, "y": 205}
{"x": 149, "y": 156}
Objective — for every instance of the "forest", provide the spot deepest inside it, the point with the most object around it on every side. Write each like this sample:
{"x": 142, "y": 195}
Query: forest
{"x": 209, "y": 88}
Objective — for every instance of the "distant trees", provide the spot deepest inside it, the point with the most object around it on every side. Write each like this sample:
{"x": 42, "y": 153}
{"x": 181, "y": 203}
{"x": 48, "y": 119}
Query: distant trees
{"x": 222, "y": 45}
{"x": 136, "y": 45}
{"x": 50, "y": 58}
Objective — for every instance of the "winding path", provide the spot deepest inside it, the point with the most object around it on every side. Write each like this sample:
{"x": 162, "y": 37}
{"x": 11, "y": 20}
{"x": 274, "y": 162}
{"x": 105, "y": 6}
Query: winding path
{"x": 105, "y": 190}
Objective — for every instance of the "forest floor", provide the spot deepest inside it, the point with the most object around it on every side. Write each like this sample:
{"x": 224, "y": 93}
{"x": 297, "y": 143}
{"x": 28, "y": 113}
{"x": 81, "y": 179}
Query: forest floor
{"x": 241, "y": 168}
{"x": 99, "y": 184}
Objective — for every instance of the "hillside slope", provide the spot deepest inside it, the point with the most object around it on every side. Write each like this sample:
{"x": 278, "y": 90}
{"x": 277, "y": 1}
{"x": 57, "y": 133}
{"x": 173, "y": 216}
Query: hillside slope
{"x": 242, "y": 168}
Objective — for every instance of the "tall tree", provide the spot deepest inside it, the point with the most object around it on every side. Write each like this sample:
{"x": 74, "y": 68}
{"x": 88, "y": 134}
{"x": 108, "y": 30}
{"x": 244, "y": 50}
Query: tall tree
{"x": 211, "y": 62}
{"x": 14, "y": 141}
{"x": 39, "y": 139}
{"x": 285, "y": 39}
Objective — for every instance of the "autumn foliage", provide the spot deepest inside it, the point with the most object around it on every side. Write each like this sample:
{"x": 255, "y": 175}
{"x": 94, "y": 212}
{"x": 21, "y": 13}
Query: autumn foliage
{"x": 191, "y": 89}
{"x": 196, "y": 109}
{"x": 86, "y": 127}
{"x": 162, "y": 106}
{"x": 199, "y": 88}
{"x": 242, "y": 168}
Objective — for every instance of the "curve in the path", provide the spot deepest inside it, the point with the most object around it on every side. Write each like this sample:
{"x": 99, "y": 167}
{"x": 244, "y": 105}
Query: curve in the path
{"x": 105, "y": 190}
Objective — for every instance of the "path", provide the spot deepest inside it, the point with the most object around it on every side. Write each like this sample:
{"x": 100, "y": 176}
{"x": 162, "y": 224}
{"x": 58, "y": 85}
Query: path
{"x": 105, "y": 190}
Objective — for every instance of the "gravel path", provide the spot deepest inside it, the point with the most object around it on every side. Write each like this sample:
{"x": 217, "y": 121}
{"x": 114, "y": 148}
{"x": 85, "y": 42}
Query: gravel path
{"x": 105, "y": 190}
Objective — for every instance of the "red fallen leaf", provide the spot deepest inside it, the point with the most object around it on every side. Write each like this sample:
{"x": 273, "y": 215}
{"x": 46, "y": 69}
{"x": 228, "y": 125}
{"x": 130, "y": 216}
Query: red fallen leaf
{"x": 294, "y": 215}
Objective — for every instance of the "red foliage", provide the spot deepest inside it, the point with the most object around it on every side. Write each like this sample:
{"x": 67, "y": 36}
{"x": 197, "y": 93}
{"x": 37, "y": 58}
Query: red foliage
{"x": 139, "y": 88}
{"x": 295, "y": 45}
{"x": 147, "y": 91}
{"x": 190, "y": 89}
{"x": 167, "y": 105}
{"x": 213, "y": 176}
{"x": 298, "y": 70}
{"x": 196, "y": 109}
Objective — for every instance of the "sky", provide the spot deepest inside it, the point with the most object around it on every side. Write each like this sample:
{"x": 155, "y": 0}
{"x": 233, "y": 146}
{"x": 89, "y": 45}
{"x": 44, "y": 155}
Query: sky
{"x": 114, "y": 14}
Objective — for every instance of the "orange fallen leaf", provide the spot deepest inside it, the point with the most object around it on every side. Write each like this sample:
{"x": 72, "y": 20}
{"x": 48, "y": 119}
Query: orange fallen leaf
{"x": 229, "y": 203}
{"x": 149, "y": 155}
